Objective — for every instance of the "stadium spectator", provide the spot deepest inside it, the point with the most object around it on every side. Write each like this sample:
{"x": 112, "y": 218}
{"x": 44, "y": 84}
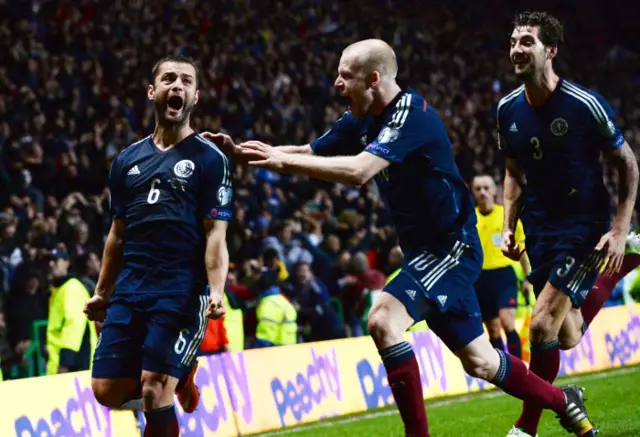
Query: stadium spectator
{"x": 276, "y": 316}
{"x": 71, "y": 338}
{"x": 316, "y": 315}
{"x": 28, "y": 304}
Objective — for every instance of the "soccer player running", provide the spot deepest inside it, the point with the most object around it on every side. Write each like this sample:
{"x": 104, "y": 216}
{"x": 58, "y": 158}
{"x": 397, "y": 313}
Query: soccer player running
{"x": 170, "y": 201}
{"x": 553, "y": 132}
{"x": 497, "y": 286}
{"x": 398, "y": 138}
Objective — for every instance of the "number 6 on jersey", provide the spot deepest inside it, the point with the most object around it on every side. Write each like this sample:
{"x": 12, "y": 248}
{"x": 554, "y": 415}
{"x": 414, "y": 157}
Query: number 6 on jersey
{"x": 154, "y": 193}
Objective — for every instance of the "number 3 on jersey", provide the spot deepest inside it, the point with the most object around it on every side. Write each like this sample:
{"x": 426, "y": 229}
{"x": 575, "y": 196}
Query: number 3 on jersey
{"x": 154, "y": 193}
{"x": 537, "y": 150}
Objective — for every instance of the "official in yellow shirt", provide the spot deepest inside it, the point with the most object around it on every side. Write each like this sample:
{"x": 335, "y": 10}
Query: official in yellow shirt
{"x": 497, "y": 286}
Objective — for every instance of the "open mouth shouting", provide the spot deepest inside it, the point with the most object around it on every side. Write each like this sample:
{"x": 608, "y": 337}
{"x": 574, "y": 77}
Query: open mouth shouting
{"x": 175, "y": 104}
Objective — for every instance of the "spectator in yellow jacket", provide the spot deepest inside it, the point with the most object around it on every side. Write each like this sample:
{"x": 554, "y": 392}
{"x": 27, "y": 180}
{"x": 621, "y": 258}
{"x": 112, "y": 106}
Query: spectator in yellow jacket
{"x": 277, "y": 317}
{"x": 71, "y": 338}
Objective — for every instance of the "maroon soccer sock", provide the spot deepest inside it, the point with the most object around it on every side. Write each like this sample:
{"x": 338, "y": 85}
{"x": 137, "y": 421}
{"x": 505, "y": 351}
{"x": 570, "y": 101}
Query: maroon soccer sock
{"x": 162, "y": 422}
{"x": 515, "y": 379}
{"x": 403, "y": 374}
{"x": 513, "y": 344}
{"x": 545, "y": 362}
{"x": 603, "y": 288}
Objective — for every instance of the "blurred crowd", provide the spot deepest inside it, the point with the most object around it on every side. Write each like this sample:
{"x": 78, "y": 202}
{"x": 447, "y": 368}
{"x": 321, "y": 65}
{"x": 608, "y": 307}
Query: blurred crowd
{"x": 73, "y": 76}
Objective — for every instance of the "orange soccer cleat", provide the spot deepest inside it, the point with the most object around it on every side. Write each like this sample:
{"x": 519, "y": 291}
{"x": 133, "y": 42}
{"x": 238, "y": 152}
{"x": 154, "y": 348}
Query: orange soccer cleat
{"x": 189, "y": 394}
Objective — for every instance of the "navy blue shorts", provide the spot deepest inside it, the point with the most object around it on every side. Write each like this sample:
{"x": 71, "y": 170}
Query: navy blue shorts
{"x": 155, "y": 332}
{"x": 437, "y": 286}
{"x": 569, "y": 263}
{"x": 497, "y": 289}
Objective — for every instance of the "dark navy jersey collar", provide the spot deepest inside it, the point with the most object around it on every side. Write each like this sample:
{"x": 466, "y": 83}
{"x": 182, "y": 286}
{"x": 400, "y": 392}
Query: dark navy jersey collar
{"x": 178, "y": 144}
{"x": 392, "y": 104}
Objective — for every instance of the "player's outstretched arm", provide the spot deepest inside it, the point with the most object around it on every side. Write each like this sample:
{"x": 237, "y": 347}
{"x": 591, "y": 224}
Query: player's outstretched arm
{"x": 216, "y": 260}
{"x": 225, "y": 142}
{"x": 111, "y": 260}
{"x": 349, "y": 170}
{"x": 514, "y": 183}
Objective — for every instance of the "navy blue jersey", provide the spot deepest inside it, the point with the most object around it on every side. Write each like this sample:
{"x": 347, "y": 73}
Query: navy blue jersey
{"x": 558, "y": 148}
{"x": 163, "y": 198}
{"x": 428, "y": 199}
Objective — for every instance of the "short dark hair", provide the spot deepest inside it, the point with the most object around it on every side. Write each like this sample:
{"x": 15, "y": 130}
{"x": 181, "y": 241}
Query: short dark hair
{"x": 180, "y": 59}
{"x": 551, "y": 33}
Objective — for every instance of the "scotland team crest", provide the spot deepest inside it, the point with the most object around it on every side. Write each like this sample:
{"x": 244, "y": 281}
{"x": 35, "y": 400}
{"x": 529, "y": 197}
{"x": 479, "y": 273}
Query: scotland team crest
{"x": 559, "y": 127}
{"x": 184, "y": 168}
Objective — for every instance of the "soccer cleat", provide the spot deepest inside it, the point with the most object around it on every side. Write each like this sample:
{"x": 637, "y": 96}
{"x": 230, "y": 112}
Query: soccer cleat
{"x": 517, "y": 432}
{"x": 575, "y": 418}
{"x": 633, "y": 244}
{"x": 189, "y": 394}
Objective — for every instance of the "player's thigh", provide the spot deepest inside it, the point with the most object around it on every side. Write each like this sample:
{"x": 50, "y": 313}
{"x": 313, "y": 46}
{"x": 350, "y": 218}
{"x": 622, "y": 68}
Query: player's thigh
{"x": 443, "y": 285}
{"x": 175, "y": 332}
{"x": 568, "y": 263}
{"x": 392, "y": 313}
{"x": 549, "y": 313}
{"x": 118, "y": 354}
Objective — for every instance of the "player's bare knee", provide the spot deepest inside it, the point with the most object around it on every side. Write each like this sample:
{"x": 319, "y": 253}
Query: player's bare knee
{"x": 153, "y": 386}
{"x": 477, "y": 366}
{"x": 567, "y": 343}
{"x": 105, "y": 395}
{"x": 569, "y": 338}
{"x": 541, "y": 328}
{"x": 152, "y": 391}
{"x": 378, "y": 323}
{"x": 381, "y": 327}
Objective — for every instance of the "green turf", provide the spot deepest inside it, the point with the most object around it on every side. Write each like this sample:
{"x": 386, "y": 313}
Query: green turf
{"x": 613, "y": 404}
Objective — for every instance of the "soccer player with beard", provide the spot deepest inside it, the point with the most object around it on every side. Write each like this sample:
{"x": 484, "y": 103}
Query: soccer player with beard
{"x": 171, "y": 202}
{"x": 396, "y": 137}
{"x": 553, "y": 133}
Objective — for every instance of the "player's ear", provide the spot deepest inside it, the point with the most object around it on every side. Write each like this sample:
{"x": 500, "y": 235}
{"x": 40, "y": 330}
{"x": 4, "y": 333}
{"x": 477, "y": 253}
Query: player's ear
{"x": 552, "y": 52}
{"x": 196, "y": 97}
{"x": 375, "y": 79}
{"x": 151, "y": 92}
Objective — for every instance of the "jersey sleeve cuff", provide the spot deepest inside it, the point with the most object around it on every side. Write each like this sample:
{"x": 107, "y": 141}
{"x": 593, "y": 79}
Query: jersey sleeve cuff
{"x": 618, "y": 142}
{"x": 381, "y": 152}
{"x": 223, "y": 214}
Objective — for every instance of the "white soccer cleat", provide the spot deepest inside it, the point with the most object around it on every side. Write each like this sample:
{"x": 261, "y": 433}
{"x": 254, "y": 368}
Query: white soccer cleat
{"x": 633, "y": 243}
{"x": 517, "y": 432}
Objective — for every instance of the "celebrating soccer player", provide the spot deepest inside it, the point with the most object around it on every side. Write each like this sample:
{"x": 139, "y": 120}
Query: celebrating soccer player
{"x": 553, "y": 132}
{"x": 170, "y": 201}
{"x": 398, "y": 138}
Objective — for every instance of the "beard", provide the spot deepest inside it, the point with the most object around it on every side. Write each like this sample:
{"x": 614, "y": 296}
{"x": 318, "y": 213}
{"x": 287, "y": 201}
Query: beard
{"x": 162, "y": 113}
